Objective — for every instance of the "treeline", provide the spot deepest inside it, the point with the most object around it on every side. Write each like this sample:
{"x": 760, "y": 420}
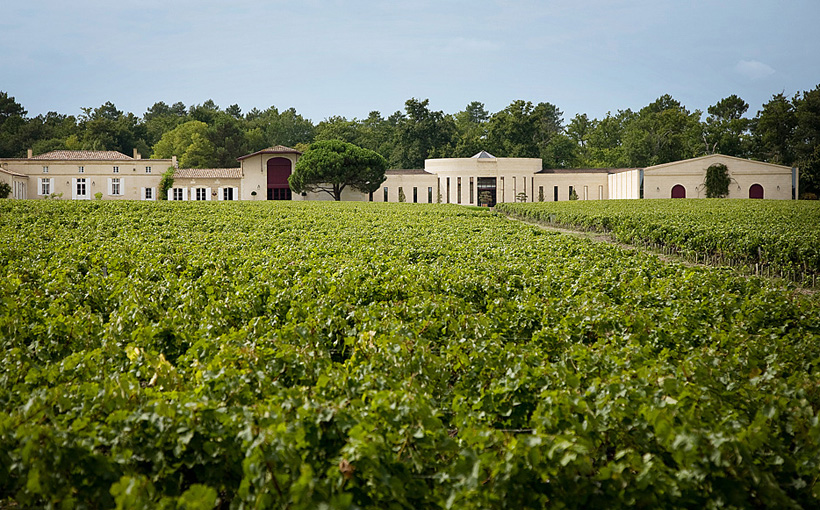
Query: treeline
{"x": 786, "y": 130}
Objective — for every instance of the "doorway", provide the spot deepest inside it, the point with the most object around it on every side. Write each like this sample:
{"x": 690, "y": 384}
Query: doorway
{"x": 486, "y": 191}
{"x": 279, "y": 170}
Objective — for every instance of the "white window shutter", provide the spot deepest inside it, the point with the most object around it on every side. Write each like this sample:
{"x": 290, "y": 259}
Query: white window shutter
{"x": 40, "y": 185}
{"x": 153, "y": 193}
{"x": 109, "y": 186}
{"x": 51, "y": 185}
{"x": 220, "y": 194}
{"x": 122, "y": 186}
{"x": 73, "y": 188}
{"x": 142, "y": 193}
{"x": 207, "y": 193}
{"x": 184, "y": 193}
{"x": 235, "y": 193}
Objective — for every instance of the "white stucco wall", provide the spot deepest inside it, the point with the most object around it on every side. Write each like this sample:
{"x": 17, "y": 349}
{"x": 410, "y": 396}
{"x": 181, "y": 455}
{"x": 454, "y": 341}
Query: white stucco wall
{"x": 743, "y": 173}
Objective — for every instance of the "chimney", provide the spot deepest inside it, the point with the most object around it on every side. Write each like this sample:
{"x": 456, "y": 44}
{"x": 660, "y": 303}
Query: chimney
{"x": 29, "y": 154}
{"x": 137, "y": 155}
{"x": 174, "y": 162}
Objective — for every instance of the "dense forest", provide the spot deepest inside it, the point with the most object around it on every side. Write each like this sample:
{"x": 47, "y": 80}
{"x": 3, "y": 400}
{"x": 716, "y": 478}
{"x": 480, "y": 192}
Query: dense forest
{"x": 786, "y": 130}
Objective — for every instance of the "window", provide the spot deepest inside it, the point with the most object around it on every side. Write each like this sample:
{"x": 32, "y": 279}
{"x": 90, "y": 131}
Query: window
{"x": 201, "y": 194}
{"x": 116, "y": 169}
{"x": 149, "y": 193}
{"x": 227, "y": 194}
{"x": 115, "y": 187}
{"x": 148, "y": 169}
{"x": 429, "y": 194}
{"x": 555, "y": 194}
{"x": 540, "y": 193}
{"x": 45, "y": 186}
{"x": 177, "y": 194}
{"x": 81, "y": 187}
{"x": 448, "y": 190}
{"x": 415, "y": 195}
{"x": 472, "y": 201}
{"x": 45, "y": 169}
{"x": 385, "y": 193}
{"x": 80, "y": 169}
{"x": 458, "y": 190}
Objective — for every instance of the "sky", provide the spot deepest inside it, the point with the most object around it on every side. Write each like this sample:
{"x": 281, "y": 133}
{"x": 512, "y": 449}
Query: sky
{"x": 350, "y": 57}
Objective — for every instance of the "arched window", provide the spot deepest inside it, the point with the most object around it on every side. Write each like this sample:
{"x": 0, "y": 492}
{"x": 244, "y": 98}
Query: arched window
{"x": 756, "y": 191}
{"x": 678, "y": 191}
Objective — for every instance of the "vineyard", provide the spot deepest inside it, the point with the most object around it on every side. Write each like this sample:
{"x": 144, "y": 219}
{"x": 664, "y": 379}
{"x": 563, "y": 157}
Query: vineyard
{"x": 769, "y": 238}
{"x": 356, "y": 355}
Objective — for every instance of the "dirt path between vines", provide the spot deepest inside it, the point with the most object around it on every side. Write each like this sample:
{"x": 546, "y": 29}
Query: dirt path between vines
{"x": 601, "y": 237}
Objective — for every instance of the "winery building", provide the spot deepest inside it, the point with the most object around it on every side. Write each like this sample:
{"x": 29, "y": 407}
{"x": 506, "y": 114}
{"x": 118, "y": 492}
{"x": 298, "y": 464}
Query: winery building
{"x": 480, "y": 180}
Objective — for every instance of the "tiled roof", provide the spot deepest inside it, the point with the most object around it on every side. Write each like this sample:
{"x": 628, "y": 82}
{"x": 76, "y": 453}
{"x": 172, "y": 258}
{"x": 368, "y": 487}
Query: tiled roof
{"x": 276, "y": 149}
{"x": 208, "y": 173}
{"x": 84, "y": 155}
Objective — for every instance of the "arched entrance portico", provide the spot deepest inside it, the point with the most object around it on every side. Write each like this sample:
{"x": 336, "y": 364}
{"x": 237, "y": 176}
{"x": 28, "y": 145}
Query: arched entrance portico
{"x": 279, "y": 170}
{"x": 678, "y": 191}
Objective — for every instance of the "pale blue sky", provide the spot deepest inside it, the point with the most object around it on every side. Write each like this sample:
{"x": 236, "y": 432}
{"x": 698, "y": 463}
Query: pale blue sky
{"x": 349, "y": 57}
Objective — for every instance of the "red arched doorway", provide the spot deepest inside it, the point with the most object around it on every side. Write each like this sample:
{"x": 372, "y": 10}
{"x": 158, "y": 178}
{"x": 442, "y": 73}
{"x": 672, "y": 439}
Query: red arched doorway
{"x": 678, "y": 191}
{"x": 278, "y": 173}
{"x": 756, "y": 191}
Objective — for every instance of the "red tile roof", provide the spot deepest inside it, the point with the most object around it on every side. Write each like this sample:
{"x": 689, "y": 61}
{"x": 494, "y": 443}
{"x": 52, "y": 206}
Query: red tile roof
{"x": 208, "y": 173}
{"x": 84, "y": 156}
{"x": 276, "y": 149}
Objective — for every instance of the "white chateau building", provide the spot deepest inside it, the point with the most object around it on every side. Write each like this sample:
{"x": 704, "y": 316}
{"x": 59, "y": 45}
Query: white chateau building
{"x": 480, "y": 180}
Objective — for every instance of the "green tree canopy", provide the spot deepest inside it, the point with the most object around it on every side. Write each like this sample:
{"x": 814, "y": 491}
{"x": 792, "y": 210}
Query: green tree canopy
{"x": 661, "y": 132}
{"x": 10, "y": 108}
{"x": 420, "y": 134}
{"x": 190, "y": 143}
{"x": 726, "y": 130}
{"x": 774, "y": 130}
{"x": 524, "y": 130}
{"x": 806, "y": 139}
{"x": 332, "y": 165}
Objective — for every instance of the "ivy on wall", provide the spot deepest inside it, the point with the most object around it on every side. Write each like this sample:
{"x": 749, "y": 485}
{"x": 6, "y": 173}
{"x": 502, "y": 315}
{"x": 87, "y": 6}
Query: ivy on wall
{"x": 717, "y": 181}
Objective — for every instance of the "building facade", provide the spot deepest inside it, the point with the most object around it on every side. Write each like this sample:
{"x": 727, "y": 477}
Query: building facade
{"x": 481, "y": 180}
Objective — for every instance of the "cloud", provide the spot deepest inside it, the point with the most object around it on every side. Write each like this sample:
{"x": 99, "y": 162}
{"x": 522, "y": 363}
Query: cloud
{"x": 753, "y": 69}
